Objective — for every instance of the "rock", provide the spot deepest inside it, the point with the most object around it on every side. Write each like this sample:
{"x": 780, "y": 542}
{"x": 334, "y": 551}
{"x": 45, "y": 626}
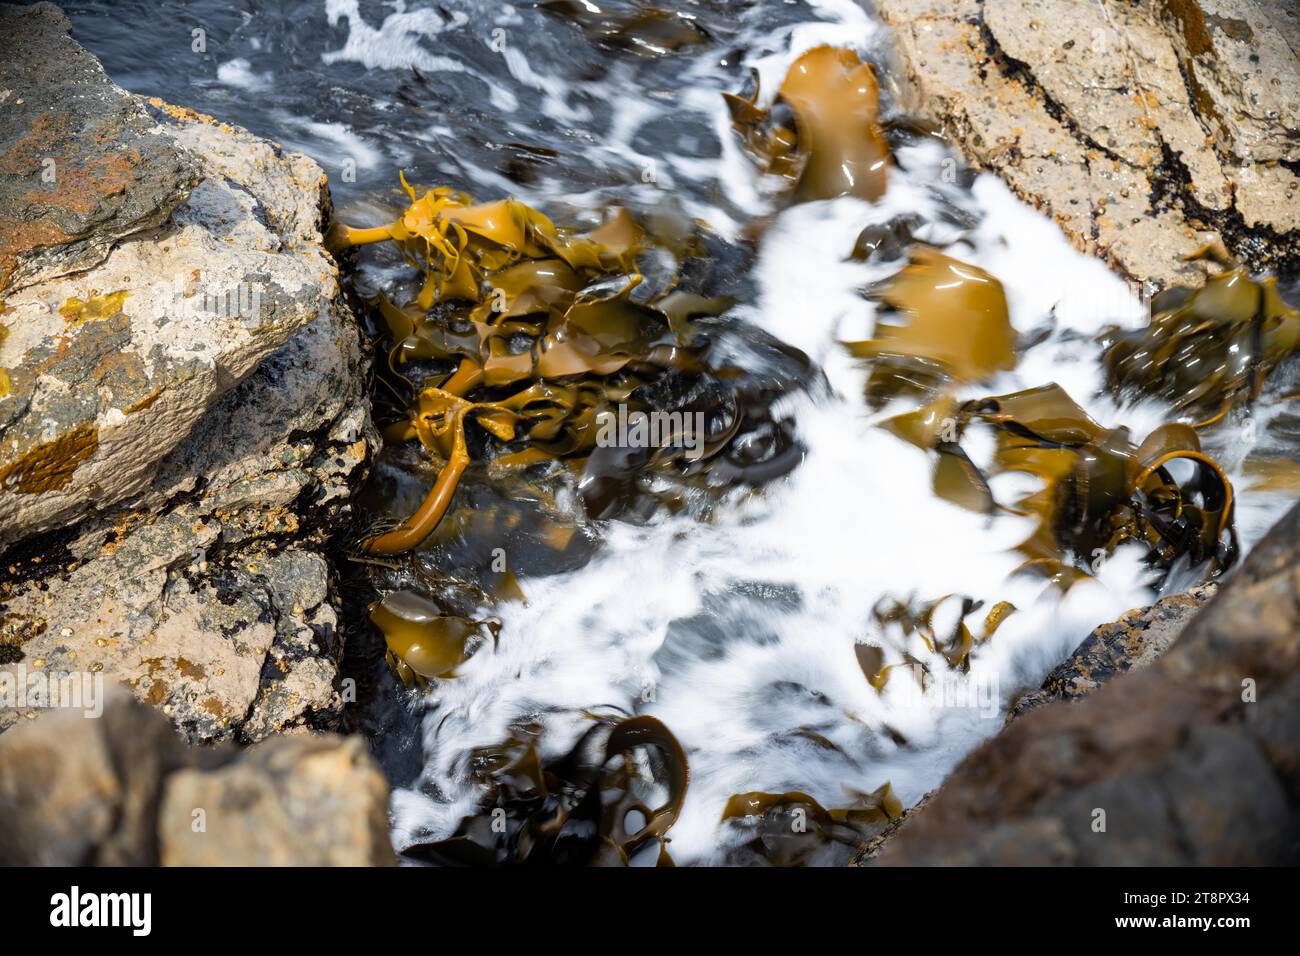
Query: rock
{"x": 172, "y": 472}
{"x": 81, "y": 164}
{"x": 124, "y": 790}
{"x": 1135, "y": 640}
{"x": 1191, "y": 760}
{"x": 1144, "y": 130}
{"x": 293, "y": 801}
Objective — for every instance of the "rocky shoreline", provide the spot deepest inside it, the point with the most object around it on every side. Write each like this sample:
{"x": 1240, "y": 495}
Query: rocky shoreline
{"x": 184, "y": 417}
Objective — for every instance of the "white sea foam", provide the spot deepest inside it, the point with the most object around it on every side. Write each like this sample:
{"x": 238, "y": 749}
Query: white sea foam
{"x": 744, "y": 628}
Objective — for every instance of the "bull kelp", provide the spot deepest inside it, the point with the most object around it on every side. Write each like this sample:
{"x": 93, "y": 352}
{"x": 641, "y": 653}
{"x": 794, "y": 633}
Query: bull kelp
{"x": 1100, "y": 490}
{"x": 1205, "y": 351}
{"x": 823, "y": 133}
{"x": 793, "y": 829}
{"x": 956, "y": 329}
{"x": 545, "y": 329}
{"x": 615, "y": 795}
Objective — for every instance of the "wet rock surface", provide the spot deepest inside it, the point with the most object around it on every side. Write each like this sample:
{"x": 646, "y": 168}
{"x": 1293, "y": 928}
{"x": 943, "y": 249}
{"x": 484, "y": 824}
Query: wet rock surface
{"x": 1144, "y": 130}
{"x": 183, "y": 425}
{"x": 1192, "y": 760}
{"x": 124, "y": 790}
{"x": 1134, "y": 641}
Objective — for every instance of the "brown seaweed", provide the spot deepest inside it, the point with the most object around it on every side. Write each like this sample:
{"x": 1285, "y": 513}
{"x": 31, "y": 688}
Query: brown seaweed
{"x": 529, "y": 332}
{"x": 832, "y": 145}
{"x": 644, "y": 29}
{"x": 793, "y": 829}
{"x": 1100, "y": 490}
{"x": 423, "y": 643}
{"x": 587, "y": 808}
{"x": 955, "y": 328}
{"x": 1206, "y": 351}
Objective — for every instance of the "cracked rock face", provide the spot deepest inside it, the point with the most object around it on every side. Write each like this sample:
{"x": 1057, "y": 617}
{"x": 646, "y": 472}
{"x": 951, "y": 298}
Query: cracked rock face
{"x": 1134, "y": 641}
{"x": 182, "y": 422}
{"x": 1144, "y": 130}
{"x": 1191, "y": 760}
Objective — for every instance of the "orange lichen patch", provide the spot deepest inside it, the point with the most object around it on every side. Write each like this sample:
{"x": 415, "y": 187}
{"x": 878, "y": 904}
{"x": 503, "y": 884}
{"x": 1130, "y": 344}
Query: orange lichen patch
{"x": 95, "y": 309}
{"x": 189, "y": 669}
{"x": 80, "y": 187}
{"x": 45, "y": 133}
{"x": 158, "y": 692}
{"x": 145, "y": 402}
{"x": 50, "y": 467}
{"x": 20, "y": 238}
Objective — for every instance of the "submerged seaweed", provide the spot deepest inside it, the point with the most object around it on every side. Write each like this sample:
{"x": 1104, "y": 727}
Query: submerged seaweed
{"x": 613, "y": 796}
{"x": 1100, "y": 490}
{"x": 793, "y": 829}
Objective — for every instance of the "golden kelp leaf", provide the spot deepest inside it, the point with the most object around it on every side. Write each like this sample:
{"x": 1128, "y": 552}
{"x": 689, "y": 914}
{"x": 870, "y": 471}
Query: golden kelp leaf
{"x": 836, "y": 103}
{"x": 521, "y": 304}
{"x": 836, "y": 147}
{"x": 772, "y": 819}
{"x": 424, "y": 639}
{"x": 872, "y": 661}
{"x": 956, "y": 318}
{"x": 646, "y": 30}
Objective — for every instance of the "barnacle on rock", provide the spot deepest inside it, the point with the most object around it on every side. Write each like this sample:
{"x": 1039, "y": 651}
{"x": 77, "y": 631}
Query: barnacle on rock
{"x": 824, "y": 134}
{"x": 590, "y": 807}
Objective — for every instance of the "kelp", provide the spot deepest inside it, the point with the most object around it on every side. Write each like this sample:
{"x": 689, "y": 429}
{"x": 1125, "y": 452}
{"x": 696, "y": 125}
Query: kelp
{"x": 423, "y": 642}
{"x": 910, "y": 618}
{"x": 546, "y": 332}
{"x": 823, "y": 133}
{"x": 793, "y": 829}
{"x": 644, "y": 29}
{"x": 524, "y": 334}
{"x": 590, "y": 807}
{"x": 945, "y": 321}
{"x": 1208, "y": 350}
{"x": 1100, "y": 490}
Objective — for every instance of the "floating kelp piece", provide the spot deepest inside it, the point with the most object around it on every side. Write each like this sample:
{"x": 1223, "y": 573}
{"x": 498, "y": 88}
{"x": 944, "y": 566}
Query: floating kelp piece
{"x": 940, "y": 624}
{"x": 588, "y": 807}
{"x": 957, "y": 327}
{"x": 823, "y": 133}
{"x": 422, "y": 641}
{"x": 884, "y": 242}
{"x": 793, "y": 829}
{"x": 647, "y": 30}
{"x": 1207, "y": 350}
{"x": 1099, "y": 490}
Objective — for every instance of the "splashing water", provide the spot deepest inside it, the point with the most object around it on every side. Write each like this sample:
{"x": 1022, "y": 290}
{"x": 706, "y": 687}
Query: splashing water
{"x": 739, "y": 632}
